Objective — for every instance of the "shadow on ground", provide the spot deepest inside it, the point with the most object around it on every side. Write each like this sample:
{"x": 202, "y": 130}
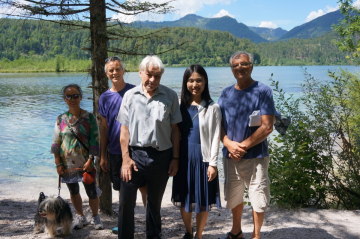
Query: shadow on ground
{"x": 16, "y": 222}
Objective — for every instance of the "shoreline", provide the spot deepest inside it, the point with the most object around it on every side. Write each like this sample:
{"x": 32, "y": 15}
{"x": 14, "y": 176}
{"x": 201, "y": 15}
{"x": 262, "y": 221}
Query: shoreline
{"x": 132, "y": 69}
{"x": 18, "y": 200}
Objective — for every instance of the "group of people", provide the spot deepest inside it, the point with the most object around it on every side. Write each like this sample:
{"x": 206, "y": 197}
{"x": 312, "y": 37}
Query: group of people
{"x": 148, "y": 135}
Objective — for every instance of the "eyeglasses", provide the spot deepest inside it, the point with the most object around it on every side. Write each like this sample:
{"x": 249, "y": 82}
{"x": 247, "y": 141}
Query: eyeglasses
{"x": 69, "y": 97}
{"x": 112, "y": 58}
{"x": 242, "y": 65}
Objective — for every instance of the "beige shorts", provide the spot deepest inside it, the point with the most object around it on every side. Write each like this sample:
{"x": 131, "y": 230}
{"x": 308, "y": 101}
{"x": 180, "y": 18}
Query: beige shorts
{"x": 253, "y": 173}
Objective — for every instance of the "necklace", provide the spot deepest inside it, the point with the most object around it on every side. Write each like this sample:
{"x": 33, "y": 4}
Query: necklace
{"x": 74, "y": 123}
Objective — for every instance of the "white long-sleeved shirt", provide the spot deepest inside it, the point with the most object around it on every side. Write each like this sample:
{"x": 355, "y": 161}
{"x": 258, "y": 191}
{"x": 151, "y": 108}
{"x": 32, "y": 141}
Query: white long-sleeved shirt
{"x": 210, "y": 128}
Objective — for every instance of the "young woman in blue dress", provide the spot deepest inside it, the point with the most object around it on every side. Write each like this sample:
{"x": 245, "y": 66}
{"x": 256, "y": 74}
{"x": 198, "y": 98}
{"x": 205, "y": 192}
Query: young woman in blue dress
{"x": 196, "y": 184}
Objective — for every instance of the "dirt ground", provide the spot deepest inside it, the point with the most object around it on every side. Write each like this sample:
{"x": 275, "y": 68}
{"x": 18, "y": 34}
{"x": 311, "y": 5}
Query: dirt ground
{"x": 18, "y": 203}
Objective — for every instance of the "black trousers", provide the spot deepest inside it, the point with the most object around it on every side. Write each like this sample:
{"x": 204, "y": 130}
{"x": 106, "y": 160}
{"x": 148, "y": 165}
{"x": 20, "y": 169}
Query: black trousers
{"x": 153, "y": 168}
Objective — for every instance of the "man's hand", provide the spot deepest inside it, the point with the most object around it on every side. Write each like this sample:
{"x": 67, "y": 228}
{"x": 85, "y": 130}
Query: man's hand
{"x": 236, "y": 150}
{"x": 104, "y": 164}
{"x": 126, "y": 169}
{"x": 211, "y": 173}
{"x": 173, "y": 167}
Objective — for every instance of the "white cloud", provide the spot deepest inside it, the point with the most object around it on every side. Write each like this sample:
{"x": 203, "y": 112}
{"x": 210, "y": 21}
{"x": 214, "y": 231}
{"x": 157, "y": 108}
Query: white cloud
{"x": 181, "y": 8}
{"x": 223, "y": 13}
{"x": 7, "y": 10}
{"x": 123, "y": 18}
{"x": 321, "y": 12}
{"x": 332, "y": 9}
{"x": 357, "y": 4}
{"x": 314, "y": 15}
{"x": 268, "y": 24}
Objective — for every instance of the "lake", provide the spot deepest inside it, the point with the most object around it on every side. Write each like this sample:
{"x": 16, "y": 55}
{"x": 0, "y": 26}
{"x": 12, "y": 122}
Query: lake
{"x": 30, "y": 103}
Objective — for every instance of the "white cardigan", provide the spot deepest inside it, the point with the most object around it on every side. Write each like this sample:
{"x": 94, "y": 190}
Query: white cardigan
{"x": 210, "y": 128}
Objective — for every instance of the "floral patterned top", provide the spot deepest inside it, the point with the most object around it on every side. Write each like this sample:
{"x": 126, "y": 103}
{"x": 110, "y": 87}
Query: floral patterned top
{"x": 72, "y": 153}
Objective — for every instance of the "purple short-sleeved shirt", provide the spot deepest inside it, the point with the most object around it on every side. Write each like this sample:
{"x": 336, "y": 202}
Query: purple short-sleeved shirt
{"x": 236, "y": 106}
{"x": 109, "y": 105}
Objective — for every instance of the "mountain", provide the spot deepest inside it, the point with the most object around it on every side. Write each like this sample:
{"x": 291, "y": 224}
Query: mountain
{"x": 221, "y": 24}
{"x": 269, "y": 33}
{"x": 315, "y": 27}
{"x": 232, "y": 26}
{"x": 190, "y": 20}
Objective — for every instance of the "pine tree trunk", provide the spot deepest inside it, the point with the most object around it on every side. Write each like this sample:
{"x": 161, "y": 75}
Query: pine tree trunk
{"x": 100, "y": 85}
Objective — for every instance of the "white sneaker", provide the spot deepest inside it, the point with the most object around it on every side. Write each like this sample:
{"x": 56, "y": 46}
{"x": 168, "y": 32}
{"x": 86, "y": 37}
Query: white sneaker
{"x": 97, "y": 222}
{"x": 79, "y": 222}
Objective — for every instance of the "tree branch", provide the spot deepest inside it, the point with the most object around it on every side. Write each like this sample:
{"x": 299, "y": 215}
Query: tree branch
{"x": 49, "y": 4}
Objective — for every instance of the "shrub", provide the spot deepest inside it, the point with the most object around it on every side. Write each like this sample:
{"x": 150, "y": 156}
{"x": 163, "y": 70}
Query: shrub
{"x": 316, "y": 164}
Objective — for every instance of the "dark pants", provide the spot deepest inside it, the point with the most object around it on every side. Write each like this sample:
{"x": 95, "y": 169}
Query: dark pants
{"x": 115, "y": 166}
{"x": 153, "y": 168}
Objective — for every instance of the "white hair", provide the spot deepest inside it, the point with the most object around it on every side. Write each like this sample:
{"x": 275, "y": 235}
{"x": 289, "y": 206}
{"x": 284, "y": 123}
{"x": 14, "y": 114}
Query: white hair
{"x": 239, "y": 53}
{"x": 149, "y": 61}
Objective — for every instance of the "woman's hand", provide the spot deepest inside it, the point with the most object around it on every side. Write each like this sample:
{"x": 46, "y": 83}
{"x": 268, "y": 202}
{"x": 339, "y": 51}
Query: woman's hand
{"x": 211, "y": 173}
{"x": 173, "y": 167}
{"x": 88, "y": 166}
{"x": 60, "y": 170}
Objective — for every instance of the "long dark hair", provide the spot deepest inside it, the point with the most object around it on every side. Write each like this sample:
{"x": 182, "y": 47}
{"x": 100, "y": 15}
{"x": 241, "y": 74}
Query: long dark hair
{"x": 186, "y": 95}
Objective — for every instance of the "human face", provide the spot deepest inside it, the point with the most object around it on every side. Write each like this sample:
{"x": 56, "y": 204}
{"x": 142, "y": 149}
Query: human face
{"x": 114, "y": 71}
{"x": 196, "y": 85}
{"x": 241, "y": 68}
{"x": 72, "y": 103}
{"x": 150, "y": 79}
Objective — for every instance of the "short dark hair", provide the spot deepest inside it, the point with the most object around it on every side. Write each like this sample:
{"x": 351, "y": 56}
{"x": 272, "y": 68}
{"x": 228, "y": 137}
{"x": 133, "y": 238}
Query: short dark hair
{"x": 71, "y": 85}
{"x": 114, "y": 58}
{"x": 186, "y": 95}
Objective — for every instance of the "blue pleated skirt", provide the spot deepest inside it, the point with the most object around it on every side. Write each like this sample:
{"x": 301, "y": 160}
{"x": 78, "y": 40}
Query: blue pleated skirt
{"x": 191, "y": 188}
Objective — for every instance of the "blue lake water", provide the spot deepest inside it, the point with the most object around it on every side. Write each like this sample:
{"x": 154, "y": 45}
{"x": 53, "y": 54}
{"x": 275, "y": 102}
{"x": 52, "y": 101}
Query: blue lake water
{"x": 30, "y": 103}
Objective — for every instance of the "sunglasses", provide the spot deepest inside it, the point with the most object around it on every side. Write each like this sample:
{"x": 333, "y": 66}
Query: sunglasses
{"x": 69, "y": 97}
{"x": 113, "y": 58}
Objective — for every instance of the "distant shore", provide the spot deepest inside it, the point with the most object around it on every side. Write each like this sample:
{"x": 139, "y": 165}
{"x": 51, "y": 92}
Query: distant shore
{"x": 78, "y": 66}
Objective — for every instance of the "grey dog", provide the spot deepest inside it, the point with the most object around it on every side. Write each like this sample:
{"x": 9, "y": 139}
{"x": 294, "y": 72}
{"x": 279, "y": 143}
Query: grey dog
{"x": 52, "y": 213}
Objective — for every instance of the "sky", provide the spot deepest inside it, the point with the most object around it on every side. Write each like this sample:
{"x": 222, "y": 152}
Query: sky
{"x": 286, "y": 14}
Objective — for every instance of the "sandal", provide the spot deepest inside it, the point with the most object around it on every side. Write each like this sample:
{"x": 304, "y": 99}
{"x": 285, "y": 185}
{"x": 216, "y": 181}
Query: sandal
{"x": 229, "y": 235}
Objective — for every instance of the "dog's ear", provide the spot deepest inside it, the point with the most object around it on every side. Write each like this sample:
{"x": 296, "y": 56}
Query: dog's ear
{"x": 41, "y": 197}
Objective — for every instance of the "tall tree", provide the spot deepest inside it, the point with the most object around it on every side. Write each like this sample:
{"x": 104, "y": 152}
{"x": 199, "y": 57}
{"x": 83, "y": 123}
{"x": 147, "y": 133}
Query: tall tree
{"x": 91, "y": 14}
{"x": 349, "y": 28}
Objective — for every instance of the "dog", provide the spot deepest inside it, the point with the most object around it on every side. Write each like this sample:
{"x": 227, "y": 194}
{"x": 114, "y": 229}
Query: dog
{"x": 52, "y": 213}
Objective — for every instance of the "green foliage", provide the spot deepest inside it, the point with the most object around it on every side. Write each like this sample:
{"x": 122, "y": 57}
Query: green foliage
{"x": 353, "y": 101}
{"x": 313, "y": 51}
{"x": 48, "y": 42}
{"x": 316, "y": 164}
{"x": 37, "y": 64}
{"x": 349, "y": 29}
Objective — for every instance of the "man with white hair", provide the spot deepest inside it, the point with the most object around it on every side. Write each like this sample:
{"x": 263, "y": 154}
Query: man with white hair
{"x": 149, "y": 141}
{"x": 248, "y": 114}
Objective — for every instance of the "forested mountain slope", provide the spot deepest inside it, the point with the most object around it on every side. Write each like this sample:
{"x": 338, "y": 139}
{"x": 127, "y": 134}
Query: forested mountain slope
{"x": 222, "y": 24}
{"x": 43, "y": 41}
{"x": 314, "y": 28}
